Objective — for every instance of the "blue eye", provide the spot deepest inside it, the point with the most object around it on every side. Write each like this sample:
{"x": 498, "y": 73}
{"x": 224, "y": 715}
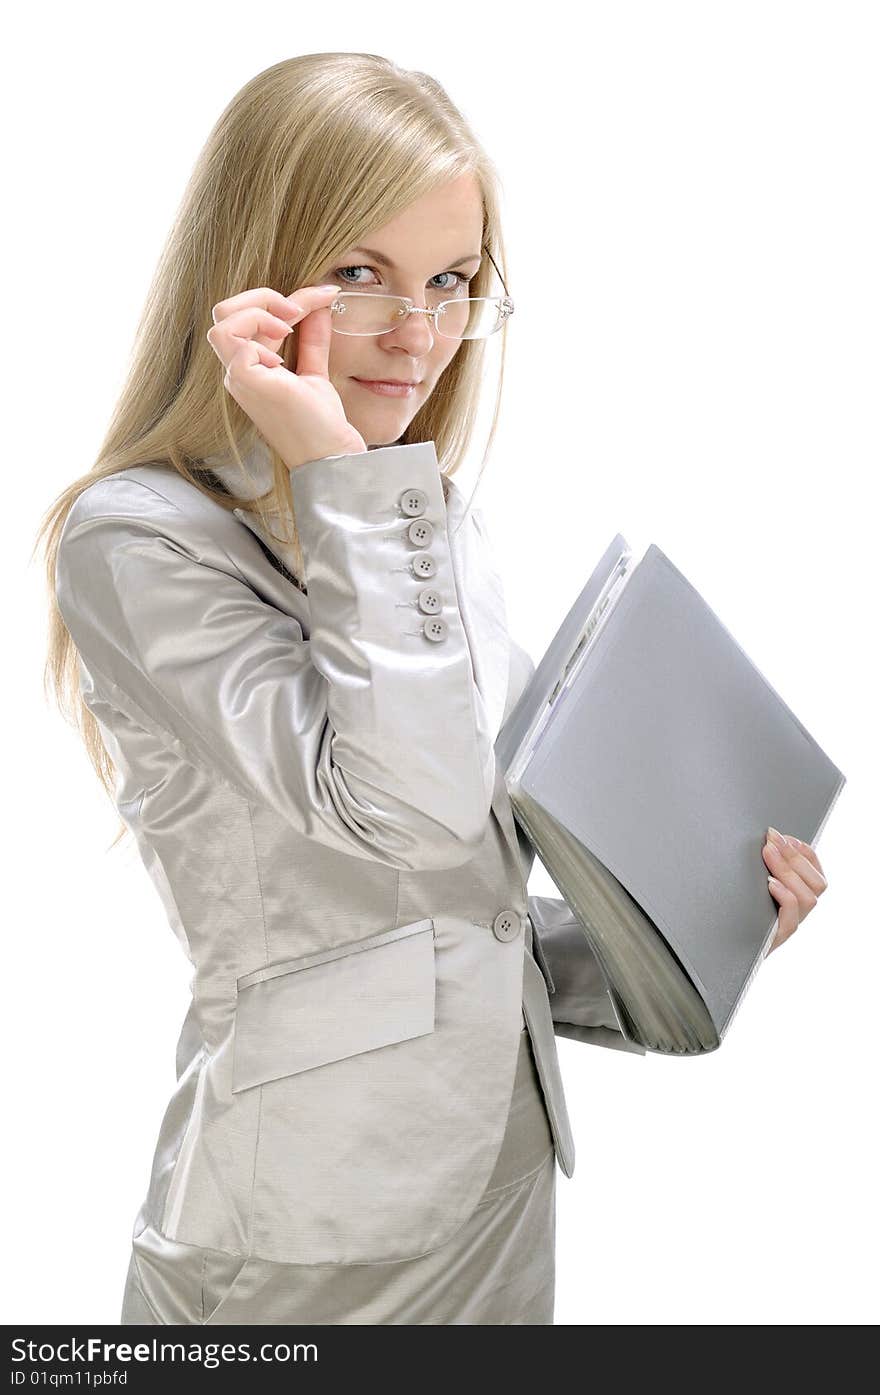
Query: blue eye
{"x": 343, "y": 269}
{"x": 461, "y": 280}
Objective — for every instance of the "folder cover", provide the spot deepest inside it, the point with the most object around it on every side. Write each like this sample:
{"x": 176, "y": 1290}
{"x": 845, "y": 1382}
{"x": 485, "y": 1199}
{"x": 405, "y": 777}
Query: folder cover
{"x": 645, "y": 760}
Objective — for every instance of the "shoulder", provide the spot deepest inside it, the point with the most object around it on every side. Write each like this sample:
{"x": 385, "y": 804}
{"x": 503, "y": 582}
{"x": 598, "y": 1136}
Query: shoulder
{"x": 143, "y": 491}
{"x": 153, "y": 499}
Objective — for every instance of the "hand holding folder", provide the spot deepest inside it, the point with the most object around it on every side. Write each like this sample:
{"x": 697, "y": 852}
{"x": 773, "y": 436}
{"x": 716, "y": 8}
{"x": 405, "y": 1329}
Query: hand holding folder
{"x": 645, "y": 761}
{"x": 799, "y": 885}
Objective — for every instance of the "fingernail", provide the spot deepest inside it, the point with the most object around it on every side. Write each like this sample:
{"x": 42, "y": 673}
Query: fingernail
{"x": 776, "y": 837}
{"x": 774, "y": 883}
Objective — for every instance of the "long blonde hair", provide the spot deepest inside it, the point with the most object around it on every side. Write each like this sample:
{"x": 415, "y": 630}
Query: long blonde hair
{"x": 307, "y": 158}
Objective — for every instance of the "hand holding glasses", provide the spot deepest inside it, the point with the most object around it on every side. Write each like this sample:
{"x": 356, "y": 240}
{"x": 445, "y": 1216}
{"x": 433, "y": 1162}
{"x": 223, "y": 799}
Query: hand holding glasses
{"x": 298, "y": 413}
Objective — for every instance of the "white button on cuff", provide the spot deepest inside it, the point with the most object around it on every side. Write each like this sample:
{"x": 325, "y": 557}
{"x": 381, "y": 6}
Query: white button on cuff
{"x": 413, "y": 502}
{"x": 423, "y": 564}
{"x": 435, "y": 629}
{"x": 421, "y": 532}
{"x": 430, "y": 601}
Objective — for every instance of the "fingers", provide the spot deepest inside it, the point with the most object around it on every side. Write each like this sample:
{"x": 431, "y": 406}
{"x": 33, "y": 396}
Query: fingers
{"x": 313, "y": 343}
{"x": 249, "y": 356}
{"x": 795, "y": 884}
{"x": 782, "y": 867}
{"x": 808, "y": 852}
{"x": 789, "y": 917}
{"x": 265, "y": 298}
{"x": 790, "y": 857}
{"x": 250, "y": 323}
{"x": 267, "y": 317}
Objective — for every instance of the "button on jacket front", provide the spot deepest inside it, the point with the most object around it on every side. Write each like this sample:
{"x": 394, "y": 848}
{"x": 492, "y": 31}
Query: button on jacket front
{"x": 311, "y": 781}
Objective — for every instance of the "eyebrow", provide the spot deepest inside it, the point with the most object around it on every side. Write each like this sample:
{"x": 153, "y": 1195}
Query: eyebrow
{"x": 386, "y": 261}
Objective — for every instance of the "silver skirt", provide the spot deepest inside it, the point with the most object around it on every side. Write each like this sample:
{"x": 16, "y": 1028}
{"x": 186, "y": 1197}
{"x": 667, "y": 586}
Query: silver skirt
{"x": 498, "y": 1268}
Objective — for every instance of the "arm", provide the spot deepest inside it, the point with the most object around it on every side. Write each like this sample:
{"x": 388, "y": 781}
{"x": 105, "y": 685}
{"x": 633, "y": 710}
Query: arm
{"x": 368, "y": 736}
{"x": 580, "y": 1004}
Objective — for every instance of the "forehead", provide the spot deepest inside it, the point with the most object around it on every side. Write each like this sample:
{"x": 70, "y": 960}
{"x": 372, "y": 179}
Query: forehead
{"x": 444, "y": 224}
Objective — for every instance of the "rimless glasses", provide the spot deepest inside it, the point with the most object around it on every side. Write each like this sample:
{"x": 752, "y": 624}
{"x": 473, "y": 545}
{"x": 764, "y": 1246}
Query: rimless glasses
{"x": 461, "y": 317}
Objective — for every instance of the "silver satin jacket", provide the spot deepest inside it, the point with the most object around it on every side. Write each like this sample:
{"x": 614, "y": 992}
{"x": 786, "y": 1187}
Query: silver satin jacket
{"x": 312, "y": 784}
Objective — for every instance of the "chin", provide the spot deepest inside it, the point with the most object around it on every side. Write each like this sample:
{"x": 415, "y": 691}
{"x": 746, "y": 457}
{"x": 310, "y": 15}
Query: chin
{"x": 388, "y": 439}
{"x": 375, "y": 435}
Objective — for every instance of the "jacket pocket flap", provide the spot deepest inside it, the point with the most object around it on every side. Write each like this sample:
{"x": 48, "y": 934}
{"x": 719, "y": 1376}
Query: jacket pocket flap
{"x": 306, "y": 1012}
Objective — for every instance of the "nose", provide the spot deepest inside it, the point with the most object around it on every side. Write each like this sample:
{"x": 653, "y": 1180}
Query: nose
{"x": 414, "y": 332}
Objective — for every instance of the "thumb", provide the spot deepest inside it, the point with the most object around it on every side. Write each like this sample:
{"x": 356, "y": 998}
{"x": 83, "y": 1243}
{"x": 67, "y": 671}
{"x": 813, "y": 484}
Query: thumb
{"x": 313, "y": 343}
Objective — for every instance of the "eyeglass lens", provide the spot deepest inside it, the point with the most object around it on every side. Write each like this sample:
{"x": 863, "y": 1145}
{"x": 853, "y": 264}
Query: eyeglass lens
{"x": 462, "y": 318}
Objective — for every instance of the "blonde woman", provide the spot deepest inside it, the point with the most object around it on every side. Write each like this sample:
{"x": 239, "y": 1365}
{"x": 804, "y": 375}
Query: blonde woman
{"x": 277, "y": 626}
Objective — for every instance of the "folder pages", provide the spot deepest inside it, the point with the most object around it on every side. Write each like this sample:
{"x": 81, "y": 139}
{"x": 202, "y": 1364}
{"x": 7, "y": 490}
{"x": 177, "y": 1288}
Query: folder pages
{"x": 645, "y": 760}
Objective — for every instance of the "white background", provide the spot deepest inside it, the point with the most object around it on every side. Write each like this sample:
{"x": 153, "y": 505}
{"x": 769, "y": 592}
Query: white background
{"x": 692, "y": 226}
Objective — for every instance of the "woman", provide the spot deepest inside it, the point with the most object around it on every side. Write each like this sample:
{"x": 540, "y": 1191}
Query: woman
{"x": 280, "y": 631}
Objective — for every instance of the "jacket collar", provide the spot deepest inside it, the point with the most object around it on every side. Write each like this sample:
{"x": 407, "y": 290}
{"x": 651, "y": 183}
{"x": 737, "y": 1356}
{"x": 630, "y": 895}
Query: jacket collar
{"x": 480, "y": 593}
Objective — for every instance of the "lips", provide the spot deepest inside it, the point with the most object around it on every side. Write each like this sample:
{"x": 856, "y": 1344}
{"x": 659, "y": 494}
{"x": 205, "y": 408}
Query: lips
{"x": 392, "y": 382}
{"x": 397, "y": 388}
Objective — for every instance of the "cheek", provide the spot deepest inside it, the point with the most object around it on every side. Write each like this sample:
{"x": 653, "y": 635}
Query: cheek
{"x": 342, "y": 361}
{"x": 445, "y": 351}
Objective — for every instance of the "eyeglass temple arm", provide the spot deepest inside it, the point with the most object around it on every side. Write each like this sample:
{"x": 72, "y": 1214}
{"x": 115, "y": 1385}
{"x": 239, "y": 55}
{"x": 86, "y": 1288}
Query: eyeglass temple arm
{"x": 495, "y": 264}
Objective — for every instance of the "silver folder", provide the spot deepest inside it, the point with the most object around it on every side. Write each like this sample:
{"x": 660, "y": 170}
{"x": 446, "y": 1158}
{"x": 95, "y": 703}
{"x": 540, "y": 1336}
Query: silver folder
{"x": 645, "y": 761}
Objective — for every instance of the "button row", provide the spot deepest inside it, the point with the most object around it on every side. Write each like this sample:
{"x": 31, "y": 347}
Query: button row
{"x": 413, "y": 503}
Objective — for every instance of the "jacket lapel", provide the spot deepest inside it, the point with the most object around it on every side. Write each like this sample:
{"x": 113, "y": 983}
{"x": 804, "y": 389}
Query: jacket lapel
{"x": 281, "y": 551}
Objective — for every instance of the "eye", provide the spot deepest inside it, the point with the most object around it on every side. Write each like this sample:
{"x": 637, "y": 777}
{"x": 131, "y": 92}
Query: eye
{"x": 461, "y": 280}
{"x": 343, "y": 269}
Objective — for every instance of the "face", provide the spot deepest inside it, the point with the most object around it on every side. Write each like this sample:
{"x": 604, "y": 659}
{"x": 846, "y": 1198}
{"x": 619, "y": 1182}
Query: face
{"x": 433, "y": 245}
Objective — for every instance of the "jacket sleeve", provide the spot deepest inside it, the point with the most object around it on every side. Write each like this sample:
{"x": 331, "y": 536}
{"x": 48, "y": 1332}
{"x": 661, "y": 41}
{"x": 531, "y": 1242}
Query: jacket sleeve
{"x": 580, "y": 1004}
{"x": 370, "y": 735}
